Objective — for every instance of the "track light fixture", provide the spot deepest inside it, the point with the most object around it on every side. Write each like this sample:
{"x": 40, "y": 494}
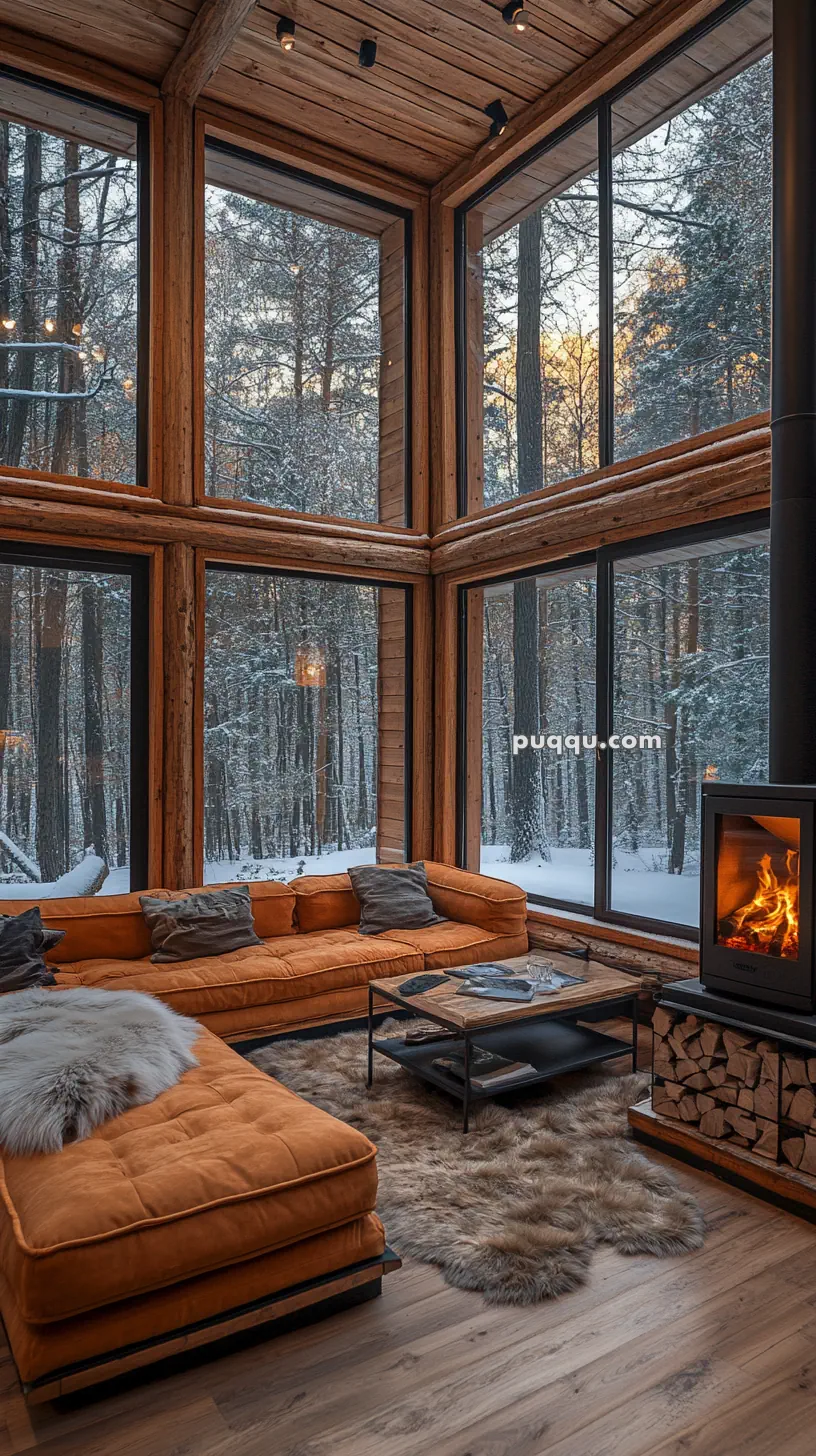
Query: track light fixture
{"x": 368, "y": 54}
{"x": 285, "y": 33}
{"x": 498, "y": 118}
{"x": 514, "y": 14}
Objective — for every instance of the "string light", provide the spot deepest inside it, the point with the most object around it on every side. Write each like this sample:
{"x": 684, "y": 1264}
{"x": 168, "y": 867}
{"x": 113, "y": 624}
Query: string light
{"x": 127, "y": 384}
{"x": 82, "y": 355}
{"x": 9, "y": 323}
{"x": 285, "y": 33}
{"x": 49, "y": 326}
{"x": 98, "y": 353}
{"x": 76, "y": 330}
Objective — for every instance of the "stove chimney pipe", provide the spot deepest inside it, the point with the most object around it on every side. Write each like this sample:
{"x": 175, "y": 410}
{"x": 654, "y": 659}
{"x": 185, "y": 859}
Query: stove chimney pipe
{"x": 793, "y": 401}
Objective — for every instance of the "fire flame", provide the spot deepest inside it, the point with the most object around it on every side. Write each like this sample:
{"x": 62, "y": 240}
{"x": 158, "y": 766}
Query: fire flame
{"x": 769, "y": 923}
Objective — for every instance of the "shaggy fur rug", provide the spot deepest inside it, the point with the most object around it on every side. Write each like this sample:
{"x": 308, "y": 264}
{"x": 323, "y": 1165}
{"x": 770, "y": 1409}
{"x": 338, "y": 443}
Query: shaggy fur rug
{"x": 515, "y": 1208}
{"x": 71, "y": 1059}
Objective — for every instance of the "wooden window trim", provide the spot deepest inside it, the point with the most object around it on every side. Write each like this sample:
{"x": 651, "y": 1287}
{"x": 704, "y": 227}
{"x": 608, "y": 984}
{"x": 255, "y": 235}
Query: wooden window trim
{"x": 37, "y": 69}
{"x": 412, "y": 207}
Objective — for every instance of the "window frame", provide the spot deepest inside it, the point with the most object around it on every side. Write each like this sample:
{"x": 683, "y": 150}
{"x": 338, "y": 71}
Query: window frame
{"x": 145, "y": 280}
{"x": 249, "y": 568}
{"x": 601, "y": 111}
{"x": 228, "y": 148}
{"x": 34, "y": 554}
{"x": 604, "y": 560}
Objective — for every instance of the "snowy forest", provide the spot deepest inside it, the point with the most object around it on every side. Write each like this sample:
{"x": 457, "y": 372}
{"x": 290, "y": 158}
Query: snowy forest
{"x": 290, "y": 725}
{"x": 65, "y": 743}
{"x": 68, "y": 305}
{"x": 292, "y": 359}
{"x": 691, "y": 259}
{"x": 690, "y": 663}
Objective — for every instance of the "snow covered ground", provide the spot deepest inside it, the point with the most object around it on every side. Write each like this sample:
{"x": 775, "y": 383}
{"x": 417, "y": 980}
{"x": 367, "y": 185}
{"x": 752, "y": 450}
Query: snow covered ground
{"x": 286, "y": 869}
{"x": 637, "y": 889}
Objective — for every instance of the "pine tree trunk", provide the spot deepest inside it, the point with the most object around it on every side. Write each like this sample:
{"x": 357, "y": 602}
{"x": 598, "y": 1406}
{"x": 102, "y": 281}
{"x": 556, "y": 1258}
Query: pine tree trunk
{"x": 5, "y": 275}
{"x": 528, "y": 831}
{"x": 92, "y": 687}
{"x": 52, "y": 849}
{"x": 27, "y": 324}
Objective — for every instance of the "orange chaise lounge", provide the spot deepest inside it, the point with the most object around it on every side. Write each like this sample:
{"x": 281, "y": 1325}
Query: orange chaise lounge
{"x": 228, "y": 1202}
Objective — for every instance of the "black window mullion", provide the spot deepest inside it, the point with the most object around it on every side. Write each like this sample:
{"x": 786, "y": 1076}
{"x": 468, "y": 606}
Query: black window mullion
{"x": 604, "y": 647}
{"x": 606, "y": 352}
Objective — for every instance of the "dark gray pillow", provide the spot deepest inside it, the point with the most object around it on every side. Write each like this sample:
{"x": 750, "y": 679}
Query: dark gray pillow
{"x": 395, "y": 899}
{"x": 207, "y": 924}
{"x": 23, "y": 943}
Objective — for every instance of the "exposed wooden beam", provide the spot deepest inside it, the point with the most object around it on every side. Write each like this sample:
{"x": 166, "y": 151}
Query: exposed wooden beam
{"x": 208, "y": 40}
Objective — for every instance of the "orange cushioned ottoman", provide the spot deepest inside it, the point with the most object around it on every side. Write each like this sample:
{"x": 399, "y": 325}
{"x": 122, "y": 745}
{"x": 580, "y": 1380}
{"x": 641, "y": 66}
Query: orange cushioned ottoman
{"x": 213, "y": 1190}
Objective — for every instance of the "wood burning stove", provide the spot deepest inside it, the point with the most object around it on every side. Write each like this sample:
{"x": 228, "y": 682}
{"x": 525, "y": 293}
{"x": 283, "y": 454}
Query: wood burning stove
{"x": 757, "y": 889}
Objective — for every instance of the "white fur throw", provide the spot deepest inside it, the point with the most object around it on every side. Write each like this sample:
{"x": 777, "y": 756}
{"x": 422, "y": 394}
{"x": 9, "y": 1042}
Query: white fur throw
{"x": 71, "y": 1059}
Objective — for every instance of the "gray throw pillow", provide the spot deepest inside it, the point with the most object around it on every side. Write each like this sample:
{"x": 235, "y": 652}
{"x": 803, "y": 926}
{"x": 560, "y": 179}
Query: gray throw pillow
{"x": 395, "y": 899}
{"x": 23, "y": 943}
{"x": 208, "y": 924}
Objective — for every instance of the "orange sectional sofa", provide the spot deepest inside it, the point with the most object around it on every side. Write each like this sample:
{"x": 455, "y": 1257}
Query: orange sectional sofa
{"x": 228, "y": 1201}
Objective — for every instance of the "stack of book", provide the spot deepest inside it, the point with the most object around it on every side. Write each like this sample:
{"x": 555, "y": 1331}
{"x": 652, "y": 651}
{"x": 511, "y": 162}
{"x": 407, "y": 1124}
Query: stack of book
{"x": 487, "y": 1070}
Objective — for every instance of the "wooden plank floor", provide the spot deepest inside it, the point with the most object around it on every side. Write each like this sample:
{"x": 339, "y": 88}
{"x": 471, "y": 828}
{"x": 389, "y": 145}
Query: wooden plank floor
{"x": 712, "y": 1354}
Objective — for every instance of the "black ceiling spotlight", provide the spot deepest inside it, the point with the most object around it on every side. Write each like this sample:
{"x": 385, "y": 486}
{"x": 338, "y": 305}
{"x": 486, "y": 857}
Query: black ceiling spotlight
{"x": 514, "y": 14}
{"x": 498, "y": 118}
{"x": 285, "y": 33}
{"x": 368, "y": 53}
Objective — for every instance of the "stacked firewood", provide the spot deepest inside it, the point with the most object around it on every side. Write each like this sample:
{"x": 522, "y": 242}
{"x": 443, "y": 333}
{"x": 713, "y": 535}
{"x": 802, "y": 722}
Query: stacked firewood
{"x": 723, "y": 1081}
{"x": 799, "y": 1111}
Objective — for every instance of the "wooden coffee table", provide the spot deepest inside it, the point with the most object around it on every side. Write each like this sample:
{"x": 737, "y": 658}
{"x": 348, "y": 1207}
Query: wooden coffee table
{"x": 543, "y": 1032}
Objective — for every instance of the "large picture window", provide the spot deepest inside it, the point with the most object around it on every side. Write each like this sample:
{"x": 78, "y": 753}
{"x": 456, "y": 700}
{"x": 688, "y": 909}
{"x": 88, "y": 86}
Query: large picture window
{"x": 305, "y": 343}
{"x": 306, "y": 719}
{"x": 595, "y": 699}
{"x": 73, "y": 724}
{"x": 73, "y": 244}
{"x": 613, "y": 284}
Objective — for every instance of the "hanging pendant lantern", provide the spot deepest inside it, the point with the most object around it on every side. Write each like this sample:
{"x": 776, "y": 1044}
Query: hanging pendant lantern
{"x": 310, "y": 667}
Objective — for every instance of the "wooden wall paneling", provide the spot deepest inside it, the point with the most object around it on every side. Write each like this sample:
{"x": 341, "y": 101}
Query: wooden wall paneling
{"x": 472, "y": 726}
{"x": 720, "y": 445}
{"x": 423, "y": 727}
{"x": 135, "y": 547}
{"x": 215, "y": 27}
{"x": 707, "y": 483}
{"x": 635, "y": 44}
{"x": 281, "y": 543}
{"x": 474, "y": 359}
{"x": 56, "y": 62}
{"x": 198, "y": 773}
{"x": 155, "y": 374}
{"x": 321, "y": 158}
{"x": 392, "y": 698}
{"x": 155, "y": 815}
{"x": 420, "y": 332}
{"x": 177, "y": 348}
{"x": 182, "y": 646}
{"x": 445, "y": 719}
{"x": 199, "y": 313}
{"x": 443, "y": 369}
{"x": 391, "y": 487}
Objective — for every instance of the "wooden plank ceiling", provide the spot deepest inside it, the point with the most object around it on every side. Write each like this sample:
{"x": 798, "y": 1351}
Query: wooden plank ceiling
{"x": 419, "y": 110}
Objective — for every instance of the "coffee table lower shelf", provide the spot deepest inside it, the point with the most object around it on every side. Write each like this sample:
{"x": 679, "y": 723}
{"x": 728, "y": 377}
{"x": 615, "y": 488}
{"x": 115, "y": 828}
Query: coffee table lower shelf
{"x": 551, "y": 1046}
